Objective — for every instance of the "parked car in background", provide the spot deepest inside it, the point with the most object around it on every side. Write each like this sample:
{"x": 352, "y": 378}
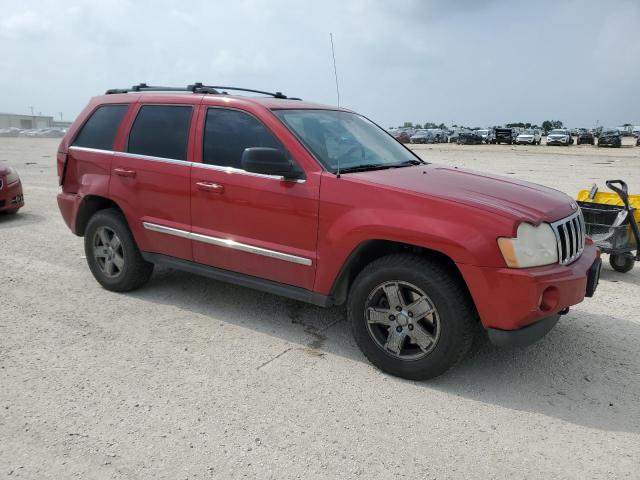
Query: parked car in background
{"x": 504, "y": 135}
{"x": 469, "y": 138}
{"x": 437, "y": 135}
{"x": 453, "y": 136}
{"x": 402, "y": 136}
{"x": 488, "y": 135}
{"x": 559, "y": 136}
{"x": 529, "y": 137}
{"x": 11, "y": 196}
{"x": 9, "y": 132}
{"x": 610, "y": 137}
{"x": 421, "y": 136}
{"x": 585, "y": 136}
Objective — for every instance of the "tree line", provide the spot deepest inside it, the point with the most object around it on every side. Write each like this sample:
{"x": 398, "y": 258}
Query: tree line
{"x": 546, "y": 125}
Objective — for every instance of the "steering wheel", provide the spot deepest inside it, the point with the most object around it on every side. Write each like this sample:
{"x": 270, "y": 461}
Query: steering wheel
{"x": 350, "y": 151}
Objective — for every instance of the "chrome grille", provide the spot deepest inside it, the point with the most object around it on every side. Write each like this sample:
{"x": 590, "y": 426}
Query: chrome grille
{"x": 570, "y": 236}
{"x": 0, "y": 184}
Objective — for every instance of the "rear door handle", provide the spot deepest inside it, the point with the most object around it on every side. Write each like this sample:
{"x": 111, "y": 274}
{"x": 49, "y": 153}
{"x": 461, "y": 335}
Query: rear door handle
{"x": 123, "y": 172}
{"x": 210, "y": 187}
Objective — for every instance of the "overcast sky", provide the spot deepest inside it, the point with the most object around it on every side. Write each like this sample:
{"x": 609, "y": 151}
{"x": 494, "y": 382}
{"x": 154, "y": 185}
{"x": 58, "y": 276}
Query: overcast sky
{"x": 466, "y": 62}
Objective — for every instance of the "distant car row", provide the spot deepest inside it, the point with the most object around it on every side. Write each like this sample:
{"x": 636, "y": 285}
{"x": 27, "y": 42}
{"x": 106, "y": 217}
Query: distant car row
{"x": 33, "y": 132}
{"x": 608, "y": 137}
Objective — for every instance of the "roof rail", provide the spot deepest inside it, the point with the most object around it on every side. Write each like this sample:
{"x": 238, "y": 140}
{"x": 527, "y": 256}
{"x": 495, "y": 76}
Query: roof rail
{"x": 197, "y": 87}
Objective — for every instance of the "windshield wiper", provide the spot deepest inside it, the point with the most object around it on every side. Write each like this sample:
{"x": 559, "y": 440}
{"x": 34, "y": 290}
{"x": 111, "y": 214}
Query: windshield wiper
{"x": 408, "y": 163}
{"x": 366, "y": 166}
{"x": 380, "y": 166}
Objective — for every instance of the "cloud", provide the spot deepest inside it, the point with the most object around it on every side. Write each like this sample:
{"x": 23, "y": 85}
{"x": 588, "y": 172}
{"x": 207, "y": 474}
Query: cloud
{"x": 470, "y": 62}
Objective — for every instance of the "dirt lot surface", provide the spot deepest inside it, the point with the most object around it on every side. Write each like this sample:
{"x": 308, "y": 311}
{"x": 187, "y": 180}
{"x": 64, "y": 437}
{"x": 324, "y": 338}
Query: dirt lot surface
{"x": 192, "y": 378}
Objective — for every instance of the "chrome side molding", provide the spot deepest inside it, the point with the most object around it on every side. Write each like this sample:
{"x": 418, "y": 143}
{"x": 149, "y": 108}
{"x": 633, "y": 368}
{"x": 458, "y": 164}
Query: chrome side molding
{"x": 227, "y": 243}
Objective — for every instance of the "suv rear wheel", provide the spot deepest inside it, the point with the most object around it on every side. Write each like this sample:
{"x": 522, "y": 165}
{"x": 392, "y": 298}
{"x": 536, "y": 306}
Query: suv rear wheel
{"x": 112, "y": 253}
{"x": 410, "y": 317}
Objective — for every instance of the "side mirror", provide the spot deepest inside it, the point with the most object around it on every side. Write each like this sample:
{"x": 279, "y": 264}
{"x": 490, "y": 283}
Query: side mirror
{"x": 269, "y": 161}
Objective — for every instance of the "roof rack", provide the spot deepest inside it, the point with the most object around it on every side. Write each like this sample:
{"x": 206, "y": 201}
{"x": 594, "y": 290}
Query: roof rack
{"x": 197, "y": 87}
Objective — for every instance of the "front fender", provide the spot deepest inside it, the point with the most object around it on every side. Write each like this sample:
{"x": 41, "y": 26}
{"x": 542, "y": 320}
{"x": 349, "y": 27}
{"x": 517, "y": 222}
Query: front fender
{"x": 462, "y": 239}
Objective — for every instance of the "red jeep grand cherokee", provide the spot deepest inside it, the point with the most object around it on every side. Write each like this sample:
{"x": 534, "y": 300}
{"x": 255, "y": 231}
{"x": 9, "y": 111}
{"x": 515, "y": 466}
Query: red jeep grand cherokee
{"x": 321, "y": 205}
{"x": 11, "y": 198}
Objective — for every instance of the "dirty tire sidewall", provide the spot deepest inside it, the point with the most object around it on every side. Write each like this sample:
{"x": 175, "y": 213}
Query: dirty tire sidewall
{"x": 136, "y": 270}
{"x": 456, "y": 312}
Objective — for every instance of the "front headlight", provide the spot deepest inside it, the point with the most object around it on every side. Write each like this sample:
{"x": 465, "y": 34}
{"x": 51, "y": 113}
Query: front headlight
{"x": 532, "y": 247}
{"x": 12, "y": 176}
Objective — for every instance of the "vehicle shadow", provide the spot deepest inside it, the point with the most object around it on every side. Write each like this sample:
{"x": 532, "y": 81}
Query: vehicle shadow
{"x": 19, "y": 219}
{"x": 584, "y": 371}
{"x": 607, "y": 273}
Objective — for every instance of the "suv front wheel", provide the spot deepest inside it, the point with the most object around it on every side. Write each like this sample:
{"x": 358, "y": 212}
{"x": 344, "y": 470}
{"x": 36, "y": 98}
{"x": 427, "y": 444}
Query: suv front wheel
{"x": 410, "y": 317}
{"x": 112, "y": 253}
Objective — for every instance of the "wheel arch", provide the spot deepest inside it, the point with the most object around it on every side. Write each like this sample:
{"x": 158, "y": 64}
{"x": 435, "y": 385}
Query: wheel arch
{"x": 370, "y": 250}
{"x": 89, "y": 206}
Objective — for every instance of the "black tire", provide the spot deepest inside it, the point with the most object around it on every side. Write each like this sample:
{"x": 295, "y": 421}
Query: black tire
{"x": 622, "y": 263}
{"x": 12, "y": 211}
{"x": 135, "y": 271}
{"x": 455, "y": 312}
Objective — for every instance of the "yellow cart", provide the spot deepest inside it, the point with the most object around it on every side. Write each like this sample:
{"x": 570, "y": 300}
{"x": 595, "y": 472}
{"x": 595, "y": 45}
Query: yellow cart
{"x": 611, "y": 220}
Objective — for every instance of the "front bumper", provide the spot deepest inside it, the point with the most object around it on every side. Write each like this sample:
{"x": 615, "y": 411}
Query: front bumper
{"x": 534, "y": 332}
{"x": 11, "y": 196}
{"x": 511, "y": 299}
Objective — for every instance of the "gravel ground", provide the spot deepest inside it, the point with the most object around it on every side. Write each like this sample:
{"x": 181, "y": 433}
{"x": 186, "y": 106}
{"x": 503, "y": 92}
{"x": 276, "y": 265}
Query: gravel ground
{"x": 192, "y": 378}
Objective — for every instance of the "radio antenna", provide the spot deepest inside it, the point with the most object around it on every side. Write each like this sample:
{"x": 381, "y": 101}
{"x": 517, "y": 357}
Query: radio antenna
{"x": 335, "y": 70}
{"x": 335, "y": 73}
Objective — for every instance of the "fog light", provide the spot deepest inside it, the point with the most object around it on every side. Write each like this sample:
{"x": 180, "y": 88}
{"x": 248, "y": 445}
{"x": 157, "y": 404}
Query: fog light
{"x": 549, "y": 299}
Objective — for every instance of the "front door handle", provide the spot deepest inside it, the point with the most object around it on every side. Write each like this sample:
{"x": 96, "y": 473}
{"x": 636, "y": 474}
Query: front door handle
{"x": 209, "y": 187}
{"x": 123, "y": 172}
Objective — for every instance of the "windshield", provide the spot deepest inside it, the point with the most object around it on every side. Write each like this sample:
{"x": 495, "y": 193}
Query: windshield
{"x": 483, "y": 132}
{"x": 527, "y": 132}
{"x": 557, "y": 132}
{"x": 345, "y": 139}
{"x": 610, "y": 131}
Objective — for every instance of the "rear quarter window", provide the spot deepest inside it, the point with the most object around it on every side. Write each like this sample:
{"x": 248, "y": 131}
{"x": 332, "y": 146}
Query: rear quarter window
{"x": 100, "y": 130}
{"x": 161, "y": 131}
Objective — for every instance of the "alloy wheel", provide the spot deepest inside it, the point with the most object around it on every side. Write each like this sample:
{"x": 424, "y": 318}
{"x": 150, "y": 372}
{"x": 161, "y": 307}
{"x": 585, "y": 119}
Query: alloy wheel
{"x": 402, "y": 320}
{"x": 108, "y": 252}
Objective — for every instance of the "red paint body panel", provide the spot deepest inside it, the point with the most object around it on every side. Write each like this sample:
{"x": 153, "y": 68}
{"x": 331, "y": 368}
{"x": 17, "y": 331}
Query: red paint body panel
{"x": 9, "y": 194}
{"x": 263, "y": 212}
{"x": 322, "y": 219}
{"x": 507, "y": 298}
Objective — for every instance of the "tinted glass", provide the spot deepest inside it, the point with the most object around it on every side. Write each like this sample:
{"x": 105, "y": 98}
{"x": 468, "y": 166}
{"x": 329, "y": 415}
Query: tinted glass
{"x": 100, "y": 130}
{"x": 228, "y": 132}
{"x": 161, "y": 131}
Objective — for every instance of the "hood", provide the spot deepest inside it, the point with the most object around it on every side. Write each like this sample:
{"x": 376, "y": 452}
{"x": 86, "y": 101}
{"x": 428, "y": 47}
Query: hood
{"x": 507, "y": 197}
{"x": 526, "y": 135}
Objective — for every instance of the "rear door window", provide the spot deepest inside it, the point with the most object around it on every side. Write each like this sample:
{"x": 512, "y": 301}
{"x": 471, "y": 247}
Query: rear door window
{"x": 228, "y": 132}
{"x": 101, "y": 128}
{"x": 161, "y": 131}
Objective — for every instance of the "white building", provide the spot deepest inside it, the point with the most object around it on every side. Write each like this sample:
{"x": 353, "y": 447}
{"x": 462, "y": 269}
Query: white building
{"x": 15, "y": 120}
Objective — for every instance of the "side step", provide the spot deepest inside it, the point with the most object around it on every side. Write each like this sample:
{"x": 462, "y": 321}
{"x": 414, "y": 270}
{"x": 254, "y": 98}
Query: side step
{"x": 284, "y": 290}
